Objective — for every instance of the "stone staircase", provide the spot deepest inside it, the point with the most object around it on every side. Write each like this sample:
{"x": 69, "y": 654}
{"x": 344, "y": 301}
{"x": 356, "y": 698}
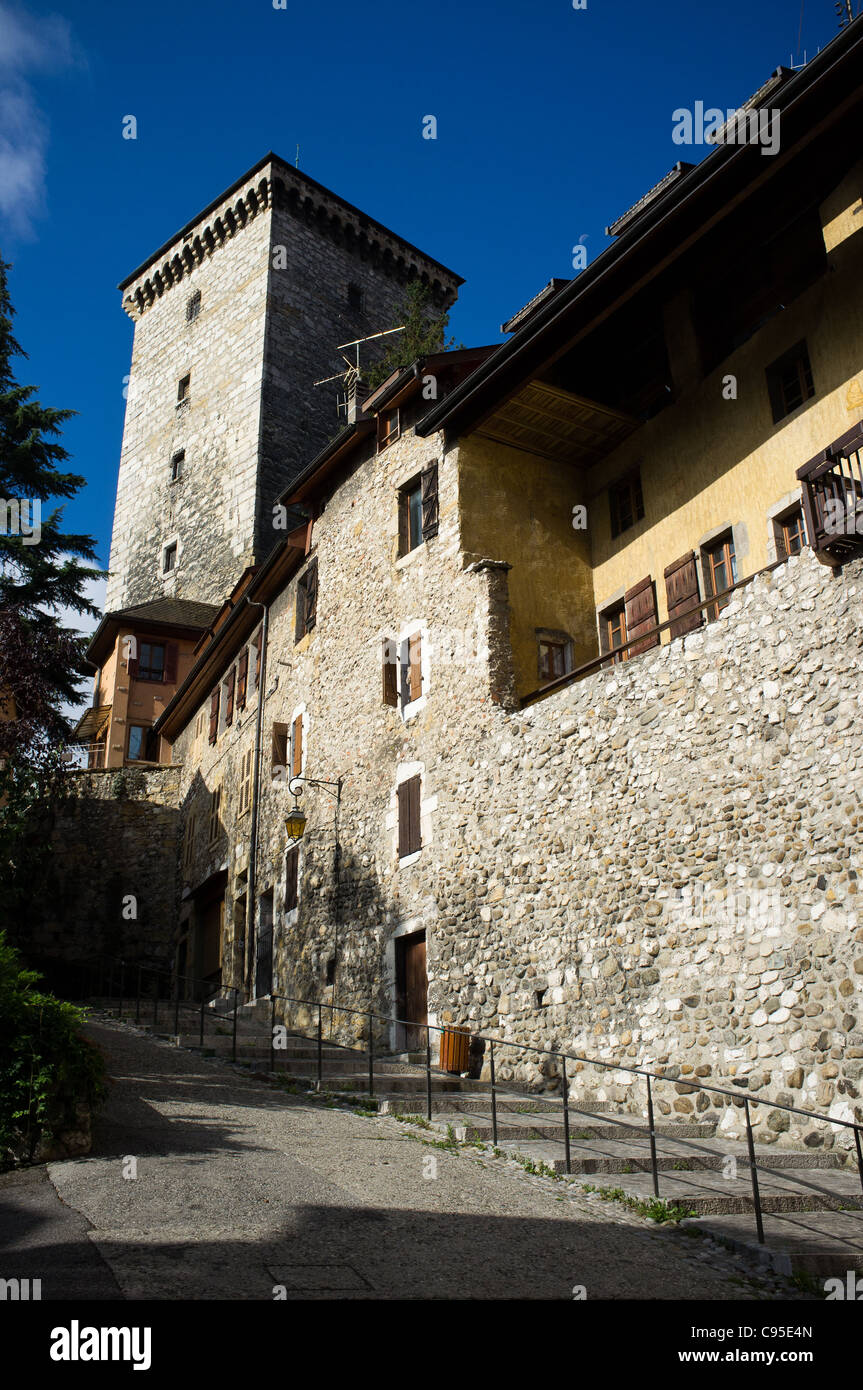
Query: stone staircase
{"x": 812, "y": 1200}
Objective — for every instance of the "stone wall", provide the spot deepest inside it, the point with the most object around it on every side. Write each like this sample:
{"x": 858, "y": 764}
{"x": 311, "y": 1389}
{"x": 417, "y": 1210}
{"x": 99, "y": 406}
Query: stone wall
{"x": 112, "y": 883}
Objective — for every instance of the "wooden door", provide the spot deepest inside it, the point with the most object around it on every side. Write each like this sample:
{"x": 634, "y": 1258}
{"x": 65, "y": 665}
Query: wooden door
{"x": 412, "y": 981}
{"x": 211, "y": 941}
{"x": 264, "y": 957}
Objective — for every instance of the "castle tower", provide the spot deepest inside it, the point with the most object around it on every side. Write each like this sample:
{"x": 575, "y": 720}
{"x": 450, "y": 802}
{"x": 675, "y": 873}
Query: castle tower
{"x": 235, "y": 318}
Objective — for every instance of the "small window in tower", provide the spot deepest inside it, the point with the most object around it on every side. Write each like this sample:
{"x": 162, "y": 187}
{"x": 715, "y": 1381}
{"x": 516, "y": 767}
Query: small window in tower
{"x": 178, "y": 461}
{"x": 169, "y": 558}
{"x": 193, "y": 306}
{"x": 184, "y": 388}
{"x": 356, "y": 299}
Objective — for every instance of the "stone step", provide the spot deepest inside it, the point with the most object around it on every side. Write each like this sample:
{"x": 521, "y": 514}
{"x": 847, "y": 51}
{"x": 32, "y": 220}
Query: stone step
{"x": 469, "y": 1126}
{"x": 672, "y": 1155}
{"x": 821, "y": 1244}
{"x": 709, "y": 1193}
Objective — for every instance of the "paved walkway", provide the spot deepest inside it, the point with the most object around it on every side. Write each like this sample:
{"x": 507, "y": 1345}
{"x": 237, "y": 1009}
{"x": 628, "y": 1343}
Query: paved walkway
{"x": 241, "y": 1188}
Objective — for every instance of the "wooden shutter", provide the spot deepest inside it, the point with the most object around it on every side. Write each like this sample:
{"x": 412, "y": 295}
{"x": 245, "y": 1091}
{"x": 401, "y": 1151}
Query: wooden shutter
{"x": 415, "y": 673}
{"x": 390, "y": 673}
{"x": 297, "y": 747}
{"x": 214, "y": 715}
{"x": 229, "y": 708}
{"x": 431, "y": 514}
{"x": 242, "y": 678}
{"x": 681, "y": 587}
{"x": 640, "y": 602}
{"x": 409, "y": 816}
{"x": 170, "y": 673}
{"x": 311, "y": 615}
{"x": 292, "y": 865}
{"x": 404, "y": 523}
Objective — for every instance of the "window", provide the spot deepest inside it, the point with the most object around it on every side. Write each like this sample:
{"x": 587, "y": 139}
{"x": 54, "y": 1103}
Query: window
{"x": 177, "y": 462}
{"x": 720, "y": 572}
{"x": 612, "y": 631}
{"x": 403, "y": 682}
{"x": 229, "y": 697}
{"x": 280, "y": 752}
{"x": 411, "y": 672}
{"x": 789, "y": 381}
{"x": 626, "y": 503}
{"x": 307, "y": 602}
{"x": 193, "y": 306}
{"x": 419, "y": 513}
{"x": 552, "y": 658}
{"x": 410, "y": 840}
{"x": 790, "y": 531}
{"x": 297, "y": 746}
{"x": 137, "y": 742}
{"x": 292, "y": 878}
{"x": 169, "y": 558}
{"x": 246, "y": 782}
{"x": 189, "y": 841}
{"x": 242, "y": 678}
{"x": 151, "y": 662}
{"x": 388, "y": 427}
{"x": 356, "y": 299}
{"x": 214, "y": 715}
{"x": 215, "y": 814}
{"x": 183, "y": 388}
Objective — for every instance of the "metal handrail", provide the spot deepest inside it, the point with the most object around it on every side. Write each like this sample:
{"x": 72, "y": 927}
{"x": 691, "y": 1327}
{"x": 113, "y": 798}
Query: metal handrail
{"x": 371, "y": 1015}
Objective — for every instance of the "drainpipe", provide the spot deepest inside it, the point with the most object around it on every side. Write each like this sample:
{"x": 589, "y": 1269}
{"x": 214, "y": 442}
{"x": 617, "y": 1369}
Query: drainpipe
{"x": 251, "y": 943}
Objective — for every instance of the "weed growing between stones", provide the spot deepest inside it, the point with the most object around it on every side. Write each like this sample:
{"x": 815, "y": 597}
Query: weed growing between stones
{"x": 653, "y": 1209}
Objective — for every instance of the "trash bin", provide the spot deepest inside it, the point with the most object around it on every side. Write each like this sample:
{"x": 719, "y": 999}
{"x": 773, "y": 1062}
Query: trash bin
{"x": 455, "y": 1049}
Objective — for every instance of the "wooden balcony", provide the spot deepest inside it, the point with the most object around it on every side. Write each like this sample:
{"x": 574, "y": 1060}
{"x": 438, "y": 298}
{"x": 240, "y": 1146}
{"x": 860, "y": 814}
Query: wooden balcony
{"x": 832, "y": 488}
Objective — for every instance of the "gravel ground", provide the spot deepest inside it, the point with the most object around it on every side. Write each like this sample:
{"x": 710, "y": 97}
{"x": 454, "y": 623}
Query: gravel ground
{"x": 245, "y": 1192}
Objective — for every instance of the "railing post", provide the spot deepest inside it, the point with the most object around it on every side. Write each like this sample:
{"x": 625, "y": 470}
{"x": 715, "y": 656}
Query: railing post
{"x": 754, "y": 1174}
{"x": 122, "y": 988}
{"x": 320, "y": 1045}
{"x": 428, "y": 1074}
{"x": 177, "y": 1004}
{"x": 234, "y": 1038}
{"x": 859, "y": 1153}
{"x": 493, "y": 1095}
{"x": 155, "y": 999}
{"x": 566, "y": 1116}
{"x": 201, "y": 1025}
{"x": 654, "y": 1166}
{"x": 272, "y": 1033}
{"x": 111, "y": 981}
{"x": 371, "y": 1056}
{"x": 138, "y": 998}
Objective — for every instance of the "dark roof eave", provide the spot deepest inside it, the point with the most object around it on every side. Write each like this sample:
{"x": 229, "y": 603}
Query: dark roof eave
{"x": 453, "y": 411}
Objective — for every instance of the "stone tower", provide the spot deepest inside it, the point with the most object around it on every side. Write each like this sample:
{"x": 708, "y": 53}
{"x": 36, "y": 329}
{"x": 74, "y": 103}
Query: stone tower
{"x": 235, "y": 318}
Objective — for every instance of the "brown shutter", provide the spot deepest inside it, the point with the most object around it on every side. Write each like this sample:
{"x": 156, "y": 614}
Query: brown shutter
{"x": 170, "y": 672}
{"x": 409, "y": 816}
{"x": 431, "y": 514}
{"x": 214, "y": 715}
{"x": 390, "y": 673}
{"x": 311, "y": 614}
{"x": 415, "y": 673}
{"x": 229, "y": 708}
{"x": 404, "y": 524}
{"x": 681, "y": 587}
{"x": 242, "y": 678}
{"x": 292, "y": 865}
{"x": 297, "y": 743}
{"x": 132, "y": 665}
{"x": 640, "y": 604}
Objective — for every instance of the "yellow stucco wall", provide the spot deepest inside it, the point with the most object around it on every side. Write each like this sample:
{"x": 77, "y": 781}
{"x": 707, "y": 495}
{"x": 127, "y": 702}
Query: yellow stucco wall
{"x": 517, "y": 507}
{"x": 707, "y": 462}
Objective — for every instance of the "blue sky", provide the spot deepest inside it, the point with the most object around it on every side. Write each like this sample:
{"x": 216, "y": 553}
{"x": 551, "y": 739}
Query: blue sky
{"x": 551, "y": 122}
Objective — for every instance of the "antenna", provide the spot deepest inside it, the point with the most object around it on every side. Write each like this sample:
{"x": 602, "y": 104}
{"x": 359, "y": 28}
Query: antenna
{"x": 297, "y": 160}
{"x": 352, "y": 375}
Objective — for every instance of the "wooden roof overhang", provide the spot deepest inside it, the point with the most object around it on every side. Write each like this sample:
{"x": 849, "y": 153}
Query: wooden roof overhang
{"x": 812, "y": 105}
{"x": 555, "y": 424}
{"x": 281, "y": 566}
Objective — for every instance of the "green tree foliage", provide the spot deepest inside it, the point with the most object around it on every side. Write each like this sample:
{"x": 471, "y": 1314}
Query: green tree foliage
{"x": 47, "y": 1069}
{"x": 424, "y": 333}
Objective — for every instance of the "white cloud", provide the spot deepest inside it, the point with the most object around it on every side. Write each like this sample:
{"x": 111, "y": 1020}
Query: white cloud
{"x": 28, "y": 44}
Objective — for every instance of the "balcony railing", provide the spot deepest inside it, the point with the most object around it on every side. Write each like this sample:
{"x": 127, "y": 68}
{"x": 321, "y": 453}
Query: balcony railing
{"x": 832, "y": 487}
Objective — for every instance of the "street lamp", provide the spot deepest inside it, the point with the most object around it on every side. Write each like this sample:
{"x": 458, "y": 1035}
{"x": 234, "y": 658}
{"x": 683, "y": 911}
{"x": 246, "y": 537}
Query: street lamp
{"x": 296, "y": 819}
